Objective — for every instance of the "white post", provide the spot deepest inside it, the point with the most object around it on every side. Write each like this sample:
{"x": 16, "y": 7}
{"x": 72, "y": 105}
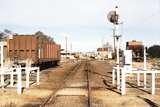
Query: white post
{"x": 2, "y": 80}
{"x": 145, "y": 67}
{"x": 27, "y": 77}
{"x": 113, "y": 76}
{"x": 38, "y": 76}
{"x": 153, "y": 83}
{"x": 66, "y": 40}
{"x": 145, "y": 59}
{"x": 1, "y": 56}
{"x": 145, "y": 83}
{"x": 118, "y": 78}
{"x": 123, "y": 82}
{"x": 39, "y": 52}
{"x": 138, "y": 79}
{"x": 118, "y": 71}
{"x": 19, "y": 81}
{"x": 2, "y": 76}
{"x": 11, "y": 79}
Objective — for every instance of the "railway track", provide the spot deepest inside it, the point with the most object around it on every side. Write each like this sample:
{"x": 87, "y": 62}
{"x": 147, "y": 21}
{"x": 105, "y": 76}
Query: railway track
{"x": 88, "y": 83}
{"x": 84, "y": 68}
{"x": 83, "y": 84}
{"x": 52, "y": 98}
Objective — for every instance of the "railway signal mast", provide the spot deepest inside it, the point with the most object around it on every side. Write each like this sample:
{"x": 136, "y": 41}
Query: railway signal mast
{"x": 113, "y": 17}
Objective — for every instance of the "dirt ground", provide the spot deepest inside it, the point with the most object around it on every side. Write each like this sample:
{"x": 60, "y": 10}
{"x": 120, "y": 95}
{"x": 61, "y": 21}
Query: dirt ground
{"x": 49, "y": 80}
{"x": 103, "y": 94}
{"x": 109, "y": 96}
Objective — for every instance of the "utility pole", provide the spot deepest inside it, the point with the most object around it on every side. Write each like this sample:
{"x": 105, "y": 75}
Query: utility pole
{"x": 114, "y": 49}
{"x": 102, "y": 42}
{"x": 71, "y": 49}
{"x": 66, "y": 40}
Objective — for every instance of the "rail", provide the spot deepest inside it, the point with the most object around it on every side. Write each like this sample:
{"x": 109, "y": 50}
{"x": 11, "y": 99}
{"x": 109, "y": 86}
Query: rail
{"x": 52, "y": 98}
{"x": 87, "y": 65}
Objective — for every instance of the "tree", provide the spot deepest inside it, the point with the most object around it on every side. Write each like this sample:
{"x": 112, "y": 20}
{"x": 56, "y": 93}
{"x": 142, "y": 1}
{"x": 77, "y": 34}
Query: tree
{"x": 42, "y": 38}
{"x": 154, "y": 51}
{"x": 2, "y": 36}
{"x": 8, "y": 31}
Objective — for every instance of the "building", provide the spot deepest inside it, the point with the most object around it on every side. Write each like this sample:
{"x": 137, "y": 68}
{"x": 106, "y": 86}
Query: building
{"x": 104, "y": 53}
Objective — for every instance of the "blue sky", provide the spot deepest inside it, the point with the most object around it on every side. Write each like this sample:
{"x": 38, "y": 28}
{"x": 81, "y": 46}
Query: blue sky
{"x": 82, "y": 21}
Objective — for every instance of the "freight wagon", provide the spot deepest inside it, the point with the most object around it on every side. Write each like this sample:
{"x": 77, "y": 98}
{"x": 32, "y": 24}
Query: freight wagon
{"x": 137, "y": 48}
{"x": 33, "y": 48}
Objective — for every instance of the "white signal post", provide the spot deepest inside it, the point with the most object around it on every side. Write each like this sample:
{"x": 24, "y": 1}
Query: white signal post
{"x": 145, "y": 67}
{"x": 118, "y": 70}
{"x": 117, "y": 36}
{"x": 122, "y": 71}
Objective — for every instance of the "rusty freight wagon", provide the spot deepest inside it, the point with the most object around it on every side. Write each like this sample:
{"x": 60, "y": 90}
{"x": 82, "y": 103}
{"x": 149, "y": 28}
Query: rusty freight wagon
{"x": 137, "y": 49}
{"x": 33, "y": 48}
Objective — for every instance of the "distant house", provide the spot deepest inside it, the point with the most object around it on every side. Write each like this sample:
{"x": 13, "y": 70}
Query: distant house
{"x": 104, "y": 53}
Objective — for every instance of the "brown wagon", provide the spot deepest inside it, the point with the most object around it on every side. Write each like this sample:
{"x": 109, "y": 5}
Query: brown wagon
{"x": 30, "y": 47}
{"x": 137, "y": 48}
